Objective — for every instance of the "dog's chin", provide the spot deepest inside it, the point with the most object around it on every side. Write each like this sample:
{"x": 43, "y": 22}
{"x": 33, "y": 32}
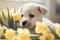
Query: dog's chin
{"x": 28, "y": 26}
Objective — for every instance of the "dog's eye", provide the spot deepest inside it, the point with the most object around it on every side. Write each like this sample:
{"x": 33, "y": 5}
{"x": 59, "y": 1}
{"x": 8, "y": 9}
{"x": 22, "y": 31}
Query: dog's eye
{"x": 31, "y": 15}
{"x": 21, "y": 15}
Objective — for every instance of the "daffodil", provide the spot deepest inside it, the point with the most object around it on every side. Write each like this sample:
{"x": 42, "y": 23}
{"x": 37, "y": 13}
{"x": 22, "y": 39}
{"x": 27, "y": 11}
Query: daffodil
{"x": 14, "y": 38}
{"x": 58, "y": 31}
{"x": 10, "y": 34}
{"x": 47, "y": 36}
{"x": 40, "y": 27}
{"x": 57, "y": 28}
{"x": 23, "y": 34}
{"x": 20, "y": 30}
{"x": 16, "y": 16}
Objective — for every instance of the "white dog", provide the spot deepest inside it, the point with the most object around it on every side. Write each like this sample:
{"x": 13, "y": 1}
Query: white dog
{"x": 31, "y": 13}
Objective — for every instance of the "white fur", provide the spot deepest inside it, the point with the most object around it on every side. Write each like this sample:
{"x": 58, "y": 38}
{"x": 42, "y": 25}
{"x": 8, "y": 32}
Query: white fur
{"x": 32, "y": 7}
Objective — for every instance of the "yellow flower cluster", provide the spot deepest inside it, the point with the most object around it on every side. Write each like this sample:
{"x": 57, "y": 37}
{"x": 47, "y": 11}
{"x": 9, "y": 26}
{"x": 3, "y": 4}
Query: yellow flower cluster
{"x": 58, "y": 29}
{"x": 47, "y": 36}
{"x": 40, "y": 27}
{"x": 10, "y": 34}
{"x": 23, "y": 34}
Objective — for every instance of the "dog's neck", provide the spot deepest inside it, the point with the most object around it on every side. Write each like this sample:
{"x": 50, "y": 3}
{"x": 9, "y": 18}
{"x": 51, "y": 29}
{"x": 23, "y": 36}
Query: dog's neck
{"x": 32, "y": 30}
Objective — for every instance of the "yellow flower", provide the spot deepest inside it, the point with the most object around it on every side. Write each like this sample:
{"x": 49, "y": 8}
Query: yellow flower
{"x": 20, "y": 30}
{"x": 40, "y": 27}
{"x": 47, "y": 36}
{"x": 10, "y": 33}
{"x": 16, "y": 16}
{"x": 23, "y": 35}
{"x": 58, "y": 31}
{"x": 14, "y": 38}
{"x": 57, "y": 28}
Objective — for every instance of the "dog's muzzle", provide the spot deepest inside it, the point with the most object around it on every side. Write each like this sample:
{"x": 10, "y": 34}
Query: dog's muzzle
{"x": 24, "y": 23}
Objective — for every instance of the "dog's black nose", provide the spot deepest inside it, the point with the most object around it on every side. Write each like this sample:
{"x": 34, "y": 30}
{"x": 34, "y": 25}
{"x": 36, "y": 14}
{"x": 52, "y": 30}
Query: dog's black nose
{"x": 24, "y": 23}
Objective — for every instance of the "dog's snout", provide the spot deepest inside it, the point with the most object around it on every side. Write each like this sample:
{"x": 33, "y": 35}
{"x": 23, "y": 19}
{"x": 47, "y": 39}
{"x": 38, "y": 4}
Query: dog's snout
{"x": 24, "y": 23}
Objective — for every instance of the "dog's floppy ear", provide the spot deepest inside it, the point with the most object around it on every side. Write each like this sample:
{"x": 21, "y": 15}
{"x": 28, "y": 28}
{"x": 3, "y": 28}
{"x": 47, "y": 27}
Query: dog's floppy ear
{"x": 42, "y": 9}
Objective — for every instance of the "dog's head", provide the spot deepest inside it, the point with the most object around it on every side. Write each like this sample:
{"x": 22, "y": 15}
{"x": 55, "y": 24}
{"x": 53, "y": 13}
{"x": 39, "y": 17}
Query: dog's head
{"x": 31, "y": 13}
